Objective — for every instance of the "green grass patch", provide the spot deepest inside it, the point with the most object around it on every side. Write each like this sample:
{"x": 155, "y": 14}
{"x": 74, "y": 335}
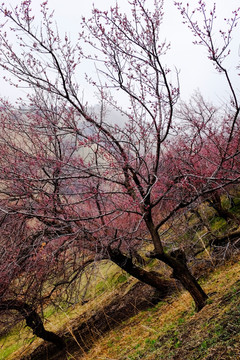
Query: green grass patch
{"x": 17, "y": 338}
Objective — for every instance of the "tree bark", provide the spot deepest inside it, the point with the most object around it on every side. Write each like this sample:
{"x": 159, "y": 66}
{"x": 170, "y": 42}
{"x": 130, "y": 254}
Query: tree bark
{"x": 181, "y": 272}
{"x": 165, "y": 287}
{"x": 178, "y": 263}
{"x": 33, "y": 320}
{"x": 216, "y": 203}
{"x": 223, "y": 240}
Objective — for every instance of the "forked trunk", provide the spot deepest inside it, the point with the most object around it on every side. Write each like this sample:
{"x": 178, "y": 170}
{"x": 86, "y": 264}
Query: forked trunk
{"x": 178, "y": 263}
{"x": 164, "y": 286}
{"x": 183, "y": 274}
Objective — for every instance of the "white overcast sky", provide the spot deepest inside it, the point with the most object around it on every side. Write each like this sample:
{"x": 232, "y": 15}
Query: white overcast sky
{"x": 196, "y": 72}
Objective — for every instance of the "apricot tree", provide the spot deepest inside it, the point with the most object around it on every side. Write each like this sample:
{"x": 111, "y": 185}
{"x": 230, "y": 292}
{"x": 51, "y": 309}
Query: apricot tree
{"x": 85, "y": 185}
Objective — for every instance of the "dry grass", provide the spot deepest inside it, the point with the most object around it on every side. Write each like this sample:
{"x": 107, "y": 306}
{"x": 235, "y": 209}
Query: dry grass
{"x": 20, "y": 341}
{"x": 171, "y": 329}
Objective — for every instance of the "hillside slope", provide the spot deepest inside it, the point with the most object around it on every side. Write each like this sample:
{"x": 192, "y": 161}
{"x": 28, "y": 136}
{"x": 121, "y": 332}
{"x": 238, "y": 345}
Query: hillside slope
{"x": 174, "y": 331}
{"x": 127, "y": 326}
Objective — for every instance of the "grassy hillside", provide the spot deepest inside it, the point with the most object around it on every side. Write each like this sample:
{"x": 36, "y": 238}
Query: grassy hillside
{"x": 172, "y": 330}
{"x": 169, "y": 330}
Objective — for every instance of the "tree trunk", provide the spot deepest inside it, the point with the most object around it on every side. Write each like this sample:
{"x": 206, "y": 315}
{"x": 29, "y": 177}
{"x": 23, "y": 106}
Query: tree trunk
{"x": 34, "y": 321}
{"x": 165, "y": 287}
{"x": 177, "y": 262}
{"x": 216, "y": 203}
{"x": 225, "y": 239}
